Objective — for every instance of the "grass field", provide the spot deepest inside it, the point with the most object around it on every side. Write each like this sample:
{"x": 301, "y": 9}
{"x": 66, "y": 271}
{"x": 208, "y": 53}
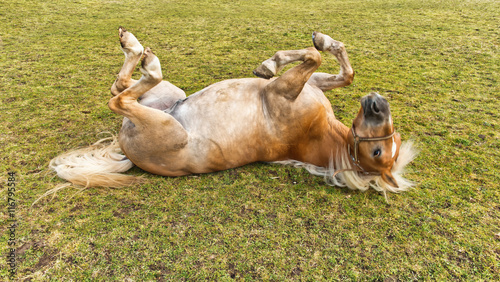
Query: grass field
{"x": 437, "y": 62}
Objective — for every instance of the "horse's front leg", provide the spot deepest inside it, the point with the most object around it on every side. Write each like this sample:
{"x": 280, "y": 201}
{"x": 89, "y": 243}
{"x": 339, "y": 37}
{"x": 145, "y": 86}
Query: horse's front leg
{"x": 325, "y": 81}
{"x": 290, "y": 84}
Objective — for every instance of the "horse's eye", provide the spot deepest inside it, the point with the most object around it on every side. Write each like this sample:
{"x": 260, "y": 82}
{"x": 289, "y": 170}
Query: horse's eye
{"x": 377, "y": 153}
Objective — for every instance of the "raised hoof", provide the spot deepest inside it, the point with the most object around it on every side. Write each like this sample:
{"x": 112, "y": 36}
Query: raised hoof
{"x": 323, "y": 42}
{"x": 150, "y": 66}
{"x": 319, "y": 41}
{"x": 129, "y": 43}
{"x": 263, "y": 72}
{"x": 147, "y": 57}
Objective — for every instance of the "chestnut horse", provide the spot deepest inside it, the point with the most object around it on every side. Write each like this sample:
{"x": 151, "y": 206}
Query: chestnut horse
{"x": 235, "y": 122}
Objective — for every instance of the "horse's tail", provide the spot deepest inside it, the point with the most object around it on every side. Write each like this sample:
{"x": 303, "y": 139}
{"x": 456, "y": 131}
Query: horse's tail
{"x": 100, "y": 164}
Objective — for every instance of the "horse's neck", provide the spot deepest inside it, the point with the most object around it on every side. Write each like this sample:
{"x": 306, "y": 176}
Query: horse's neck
{"x": 332, "y": 145}
{"x": 338, "y": 133}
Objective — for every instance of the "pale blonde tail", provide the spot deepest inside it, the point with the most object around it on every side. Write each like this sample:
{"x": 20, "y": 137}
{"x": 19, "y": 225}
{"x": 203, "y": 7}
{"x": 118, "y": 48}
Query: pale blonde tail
{"x": 97, "y": 165}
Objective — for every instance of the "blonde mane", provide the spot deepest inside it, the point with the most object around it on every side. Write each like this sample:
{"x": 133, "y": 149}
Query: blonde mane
{"x": 356, "y": 181}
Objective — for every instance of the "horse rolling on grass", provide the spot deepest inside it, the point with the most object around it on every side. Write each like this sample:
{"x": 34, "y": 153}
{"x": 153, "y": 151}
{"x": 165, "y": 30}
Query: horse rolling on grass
{"x": 286, "y": 120}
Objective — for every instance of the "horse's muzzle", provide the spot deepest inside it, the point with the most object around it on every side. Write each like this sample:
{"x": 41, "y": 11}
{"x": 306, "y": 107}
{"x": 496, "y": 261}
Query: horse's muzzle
{"x": 375, "y": 108}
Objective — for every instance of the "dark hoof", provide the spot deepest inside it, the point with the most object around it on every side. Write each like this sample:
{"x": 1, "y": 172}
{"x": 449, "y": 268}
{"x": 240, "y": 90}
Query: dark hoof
{"x": 314, "y": 42}
{"x": 263, "y": 72}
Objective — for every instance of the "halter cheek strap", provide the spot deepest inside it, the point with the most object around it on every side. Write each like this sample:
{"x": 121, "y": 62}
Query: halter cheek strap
{"x": 357, "y": 140}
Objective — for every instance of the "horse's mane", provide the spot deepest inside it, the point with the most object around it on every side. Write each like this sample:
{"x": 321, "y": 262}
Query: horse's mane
{"x": 357, "y": 181}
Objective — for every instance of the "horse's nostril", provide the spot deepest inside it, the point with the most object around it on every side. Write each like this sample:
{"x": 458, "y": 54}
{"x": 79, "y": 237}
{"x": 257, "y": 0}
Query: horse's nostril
{"x": 375, "y": 107}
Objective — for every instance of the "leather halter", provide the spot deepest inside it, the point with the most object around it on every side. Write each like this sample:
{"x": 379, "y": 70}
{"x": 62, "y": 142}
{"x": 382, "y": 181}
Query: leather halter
{"x": 358, "y": 140}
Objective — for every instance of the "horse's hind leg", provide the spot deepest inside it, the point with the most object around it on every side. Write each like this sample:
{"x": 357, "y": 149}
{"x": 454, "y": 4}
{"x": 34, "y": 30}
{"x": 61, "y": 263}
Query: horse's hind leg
{"x": 133, "y": 51}
{"x": 162, "y": 96}
{"x": 150, "y": 137}
{"x": 325, "y": 81}
{"x": 126, "y": 103}
{"x": 146, "y": 123}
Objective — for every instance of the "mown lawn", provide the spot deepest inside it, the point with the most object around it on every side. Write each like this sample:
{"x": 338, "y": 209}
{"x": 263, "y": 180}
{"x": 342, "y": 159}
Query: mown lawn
{"x": 437, "y": 62}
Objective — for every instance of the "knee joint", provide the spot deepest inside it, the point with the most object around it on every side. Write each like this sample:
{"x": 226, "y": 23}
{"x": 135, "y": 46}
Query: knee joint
{"x": 349, "y": 77}
{"x": 117, "y": 103}
{"x": 112, "y": 104}
{"x": 313, "y": 55}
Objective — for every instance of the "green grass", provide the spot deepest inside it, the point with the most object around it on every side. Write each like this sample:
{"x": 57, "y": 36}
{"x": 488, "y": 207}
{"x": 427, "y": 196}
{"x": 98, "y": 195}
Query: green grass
{"x": 437, "y": 62}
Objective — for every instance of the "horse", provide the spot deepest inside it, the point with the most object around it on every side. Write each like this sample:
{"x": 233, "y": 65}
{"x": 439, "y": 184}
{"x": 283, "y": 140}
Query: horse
{"x": 285, "y": 119}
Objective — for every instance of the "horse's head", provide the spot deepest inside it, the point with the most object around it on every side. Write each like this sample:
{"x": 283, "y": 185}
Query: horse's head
{"x": 373, "y": 143}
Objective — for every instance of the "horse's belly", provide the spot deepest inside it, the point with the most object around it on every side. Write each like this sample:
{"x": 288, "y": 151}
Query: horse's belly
{"x": 229, "y": 113}
{"x": 227, "y": 125}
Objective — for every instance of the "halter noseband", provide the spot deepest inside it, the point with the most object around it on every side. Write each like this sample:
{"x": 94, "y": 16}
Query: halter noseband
{"x": 358, "y": 140}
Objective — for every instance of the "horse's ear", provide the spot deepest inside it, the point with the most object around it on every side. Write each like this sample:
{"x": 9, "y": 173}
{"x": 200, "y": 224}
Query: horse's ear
{"x": 387, "y": 177}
